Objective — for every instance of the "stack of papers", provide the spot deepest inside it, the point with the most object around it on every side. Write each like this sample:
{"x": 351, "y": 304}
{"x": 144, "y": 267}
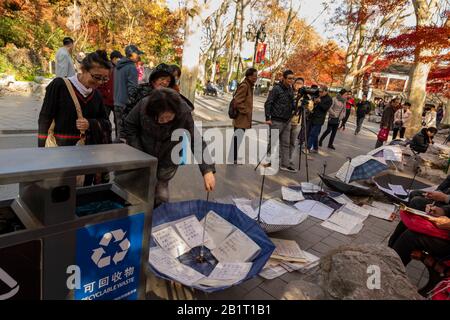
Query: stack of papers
{"x": 237, "y": 247}
{"x": 289, "y": 194}
{"x": 287, "y": 250}
{"x": 348, "y": 220}
{"x": 315, "y": 209}
{"x": 308, "y": 187}
{"x": 277, "y": 213}
{"x": 276, "y": 268}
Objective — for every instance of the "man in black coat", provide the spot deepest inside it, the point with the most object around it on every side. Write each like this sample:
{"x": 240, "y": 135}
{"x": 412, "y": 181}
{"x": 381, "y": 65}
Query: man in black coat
{"x": 322, "y": 104}
{"x": 362, "y": 109}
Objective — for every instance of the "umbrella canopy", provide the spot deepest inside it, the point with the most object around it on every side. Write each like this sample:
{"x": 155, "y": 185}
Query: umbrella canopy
{"x": 170, "y": 212}
{"x": 360, "y": 168}
{"x": 388, "y": 153}
{"x": 388, "y": 183}
{"x": 348, "y": 189}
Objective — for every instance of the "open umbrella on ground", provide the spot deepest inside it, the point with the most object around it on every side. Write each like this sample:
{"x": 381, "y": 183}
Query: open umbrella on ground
{"x": 168, "y": 213}
{"x": 398, "y": 186}
{"x": 388, "y": 153}
{"x": 352, "y": 189}
{"x": 360, "y": 168}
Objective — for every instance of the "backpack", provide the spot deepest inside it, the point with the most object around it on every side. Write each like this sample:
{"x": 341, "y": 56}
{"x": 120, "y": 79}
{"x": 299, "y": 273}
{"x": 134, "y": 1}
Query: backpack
{"x": 233, "y": 111}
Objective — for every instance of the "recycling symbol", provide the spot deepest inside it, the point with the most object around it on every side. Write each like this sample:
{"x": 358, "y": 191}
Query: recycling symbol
{"x": 124, "y": 244}
{"x": 11, "y": 283}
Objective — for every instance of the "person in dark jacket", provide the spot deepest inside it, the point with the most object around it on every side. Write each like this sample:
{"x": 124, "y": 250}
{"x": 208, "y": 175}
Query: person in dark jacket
{"x": 279, "y": 108}
{"x": 59, "y": 108}
{"x": 422, "y": 140}
{"x": 362, "y": 109}
{"x": 150, "y": 126}
{"x": 321, "y": 107}
{"x": 125, "y": 84}
{"x": 387, "y": 119}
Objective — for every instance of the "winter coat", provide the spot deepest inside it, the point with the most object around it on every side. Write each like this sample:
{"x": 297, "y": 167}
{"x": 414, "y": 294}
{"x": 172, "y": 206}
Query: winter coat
{"x": 320, "y": 110}
{"x": 107, "y": 91}
{"x": 280, "y": 103}
{"x": 387, "y": 119}
{"x": 337, "y": 109}
{"x": 143, "y": 132}
{"x": 362, "y": 109}
{"x": 420, "y": 141}
{"x": 402, "y": 116}
{"x": 244, "y": 103}
{"x": 125, "y": 82}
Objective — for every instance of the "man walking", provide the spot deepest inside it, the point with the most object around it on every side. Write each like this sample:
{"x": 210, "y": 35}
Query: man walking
{"x": 348, "y": 110}
{"x": 321, "y": 106}
{"x": 362, "y": 109}
{"x": 279, "y": 107}
{"x": 335, "y": 115}
{"x": 125, "y": 84}
{"x": 243, "y": 100}
{"x": 64, "y": 61}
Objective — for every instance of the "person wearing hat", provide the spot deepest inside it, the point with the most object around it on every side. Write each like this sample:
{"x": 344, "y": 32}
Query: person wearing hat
{"x": 125, "y": 85}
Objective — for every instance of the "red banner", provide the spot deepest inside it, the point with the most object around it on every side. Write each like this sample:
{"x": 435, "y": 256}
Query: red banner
{"x": 261, "y": 52}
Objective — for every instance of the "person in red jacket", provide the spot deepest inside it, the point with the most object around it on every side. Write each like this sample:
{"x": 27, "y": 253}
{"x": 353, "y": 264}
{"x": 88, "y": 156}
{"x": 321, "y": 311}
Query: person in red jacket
{"x": 348, "y": 110}
{"x": 107, "y": 89}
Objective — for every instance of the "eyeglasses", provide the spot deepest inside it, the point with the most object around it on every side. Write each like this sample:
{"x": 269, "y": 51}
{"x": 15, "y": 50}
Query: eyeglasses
{"x": 290, "y": 78}
{"x": 99, "y": 78}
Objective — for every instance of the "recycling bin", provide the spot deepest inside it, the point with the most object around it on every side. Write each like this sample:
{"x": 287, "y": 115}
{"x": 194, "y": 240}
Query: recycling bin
{"x": 62, "y": 241}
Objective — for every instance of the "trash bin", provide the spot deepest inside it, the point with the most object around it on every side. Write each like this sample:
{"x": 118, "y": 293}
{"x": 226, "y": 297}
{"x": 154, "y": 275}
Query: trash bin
{"x": 60, "y": 241}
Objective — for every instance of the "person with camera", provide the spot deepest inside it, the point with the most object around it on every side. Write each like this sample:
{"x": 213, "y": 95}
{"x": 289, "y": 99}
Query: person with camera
{"x": 322, "y": 104}
{"x": 335, "y": 115}
{"x": 279, "y": 108}
{"x": 295, "y": 122}
{"x": 402, "y": 117}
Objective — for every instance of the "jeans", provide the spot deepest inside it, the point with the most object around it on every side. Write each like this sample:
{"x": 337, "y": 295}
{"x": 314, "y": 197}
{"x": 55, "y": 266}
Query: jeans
{"x": 295, "y": 129}
{"x": 119, "y": 116}
{"x": 164, "y": 175}
{"x": 313, "y": 138}
{"x": 359, "y": 123}
{"x": 333, "y": 128}
{"x": 396, "y": 130}
{"x": 284, "y": 140}
{"x": 237, "y": 140}
{"x": 347, "y": 115}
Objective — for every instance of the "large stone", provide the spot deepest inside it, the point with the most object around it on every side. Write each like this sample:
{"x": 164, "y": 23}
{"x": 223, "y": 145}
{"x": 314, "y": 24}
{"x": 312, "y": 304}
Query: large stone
{"x": 348, "y": 273}
{"x": 433, "y": 175}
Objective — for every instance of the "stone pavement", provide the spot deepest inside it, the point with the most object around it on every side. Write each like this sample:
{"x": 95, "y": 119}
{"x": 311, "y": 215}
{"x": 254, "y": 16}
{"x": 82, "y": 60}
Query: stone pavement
{"x": 240, "y": 181}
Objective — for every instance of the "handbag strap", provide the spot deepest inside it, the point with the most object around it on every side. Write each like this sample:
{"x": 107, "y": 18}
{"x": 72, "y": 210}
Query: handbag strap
{"x": 75, "y": 101}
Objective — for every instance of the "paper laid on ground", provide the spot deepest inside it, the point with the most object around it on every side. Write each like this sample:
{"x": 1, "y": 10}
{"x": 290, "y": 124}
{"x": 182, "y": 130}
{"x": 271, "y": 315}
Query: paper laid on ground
{"x": 343, "y": 199}
{"x": 380, "y": 213}
{"x": 278, "y": 213}
{"x": 171, "y": 267}
{"x": 355, "y": 209}
{"x": 287, "y": 250}
{"x": 383, "y": 206}
{"x": 238, "y": 247}
{"x": 191, "y": 231}
{"x": 171, "y": 242}
{"x": 417, "y": 212}
{"x": 345, "y": 222}
{"x": 329, "y": 225}
{"x": 272, "y": 272}
{"x": 308, "y": 187}
{"x": 217, "y": 227}
{"x": 315, "y": 209}
{"x": 398, "y": 189}
{"x": 245, "y": 206}
{"x": 291, "y": 194}
{"x": 230, "y": 271}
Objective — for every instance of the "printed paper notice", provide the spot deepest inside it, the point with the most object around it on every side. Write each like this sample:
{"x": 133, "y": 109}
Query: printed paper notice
{"x": 170, "y": 241}
{"x": 238, "y": 247}
{"x": 291, "y": 194}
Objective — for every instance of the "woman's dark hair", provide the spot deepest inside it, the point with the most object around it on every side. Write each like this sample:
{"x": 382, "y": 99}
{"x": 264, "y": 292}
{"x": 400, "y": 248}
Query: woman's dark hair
{"x": 162, "y": 100}
{"x": 176, "y": 69}
{"x": 433, "y": 130}
{"x": 250, "y": 72}
{"x": 97, "y": 58}
{"x": 300, "y": 79}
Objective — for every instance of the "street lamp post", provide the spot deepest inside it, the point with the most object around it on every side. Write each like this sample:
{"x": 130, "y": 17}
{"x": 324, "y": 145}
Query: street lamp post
{"x": 256, "y": 35}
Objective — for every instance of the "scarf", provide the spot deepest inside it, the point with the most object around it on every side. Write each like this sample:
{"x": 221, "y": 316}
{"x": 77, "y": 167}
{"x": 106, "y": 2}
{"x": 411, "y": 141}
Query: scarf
{"x": 80, "y": 87}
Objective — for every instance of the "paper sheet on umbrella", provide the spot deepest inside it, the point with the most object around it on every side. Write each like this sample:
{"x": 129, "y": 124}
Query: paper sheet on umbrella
{"x": 291, "y": 194}
{"x": 287, "y": 250}
{"x": 398, "y": 189}
{"x": 245, "y": 205}
{"x": 315, "y": 209}
{"x": 237, "y": 247}
{"x": 277, "y": 213}
{"x": 192, "y": 233}
{"x": 171, "y": 267}
{"x": 217, "y": 227}
{"x": 169, "y": 240}
{"x": 230, "y": 271}
{"x": 380, "y": 213}
{"x": 308, "y": 187}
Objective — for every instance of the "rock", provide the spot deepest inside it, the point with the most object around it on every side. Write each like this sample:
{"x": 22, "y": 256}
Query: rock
{"x": 39, "y": 79}
{"x": 432, "y": 161}
{"x": 434, "y": 175}
{"x": 348, "y": 273}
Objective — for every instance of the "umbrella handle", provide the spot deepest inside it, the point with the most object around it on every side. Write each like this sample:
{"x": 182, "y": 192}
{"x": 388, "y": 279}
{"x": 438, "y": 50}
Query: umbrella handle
{"x": 348, "y": 168}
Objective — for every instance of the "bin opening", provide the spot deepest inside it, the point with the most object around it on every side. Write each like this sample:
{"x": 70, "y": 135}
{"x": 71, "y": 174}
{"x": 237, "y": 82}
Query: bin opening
{"x": 99, "y": 201}
{"x": 9, "y": 222}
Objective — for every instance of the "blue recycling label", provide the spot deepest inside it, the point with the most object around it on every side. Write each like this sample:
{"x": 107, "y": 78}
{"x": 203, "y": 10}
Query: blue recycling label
{"x": 109, "y": 257}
